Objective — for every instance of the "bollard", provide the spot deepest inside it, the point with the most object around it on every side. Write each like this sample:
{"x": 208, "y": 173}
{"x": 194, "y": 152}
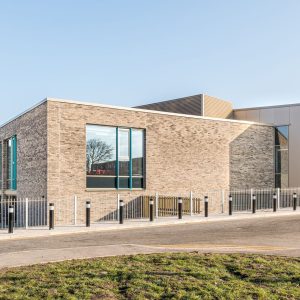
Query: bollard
{"x": 253, "y": 204}
{"x": 206, "y": 206}
{"x": 121, "y": 212}
{"x": 274, "y": 202}
{"x": 88, "y": 214}
{"x": 51, "y": 216}
{"x": 151, "y": 204}
{"x": 230, "y": 205}
{"x": 295, "y": 201}
{"x": 11, "y": 219}
{"x": 179, "y": 208}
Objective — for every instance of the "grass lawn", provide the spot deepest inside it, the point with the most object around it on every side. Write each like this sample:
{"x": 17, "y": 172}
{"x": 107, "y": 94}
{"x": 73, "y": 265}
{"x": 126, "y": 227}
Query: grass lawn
{"x": 159, "y": 276}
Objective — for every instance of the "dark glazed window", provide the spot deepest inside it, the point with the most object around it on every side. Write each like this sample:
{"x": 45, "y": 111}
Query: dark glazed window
{"x": 114, "y": 157}
{"x": 282, "y": 156}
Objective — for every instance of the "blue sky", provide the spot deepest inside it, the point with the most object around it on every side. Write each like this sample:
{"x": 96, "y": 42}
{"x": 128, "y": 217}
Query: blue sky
{"x": 135, "y": 52}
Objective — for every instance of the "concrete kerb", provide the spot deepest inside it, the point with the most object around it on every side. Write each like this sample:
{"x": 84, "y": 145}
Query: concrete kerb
{"x": 38, "y": 232}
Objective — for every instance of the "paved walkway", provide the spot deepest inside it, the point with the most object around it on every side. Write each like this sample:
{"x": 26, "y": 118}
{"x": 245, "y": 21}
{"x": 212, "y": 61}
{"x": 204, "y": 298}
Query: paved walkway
{"x": 32, "y": 232}
{"x": 267, "y": 233}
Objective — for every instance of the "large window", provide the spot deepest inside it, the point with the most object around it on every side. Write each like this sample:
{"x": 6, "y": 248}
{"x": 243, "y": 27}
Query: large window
{"x": 12, "y": 163}
{"x": 114, "y": 157}
{"x": 282, "y": 156}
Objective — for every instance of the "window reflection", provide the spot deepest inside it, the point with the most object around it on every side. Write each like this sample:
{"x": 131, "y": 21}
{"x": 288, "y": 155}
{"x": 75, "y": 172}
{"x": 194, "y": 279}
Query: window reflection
{"x": 101, "y": 150}
{"x": 114, "y": 157}
{"x": 281, "y": 156}
{"x": 137, "y": 152}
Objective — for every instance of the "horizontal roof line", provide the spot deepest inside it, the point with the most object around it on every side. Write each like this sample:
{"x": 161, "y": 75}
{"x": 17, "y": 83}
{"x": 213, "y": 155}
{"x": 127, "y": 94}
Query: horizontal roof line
{"x": 266, "y": 107}
{"x": 130, "y": 109}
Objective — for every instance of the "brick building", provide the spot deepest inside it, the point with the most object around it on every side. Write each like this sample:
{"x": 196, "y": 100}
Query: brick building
{"x": 60, "y": 148}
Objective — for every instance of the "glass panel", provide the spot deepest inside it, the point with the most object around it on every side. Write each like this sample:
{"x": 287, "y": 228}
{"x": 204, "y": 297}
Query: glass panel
{"x": 9, "y": 163}
{"x": 101, "y": 150}
{"x": 137, "y": 152}
{"x": 14, "y": 163}
{"x": 123, "y": 151}
{"x": 281, "y": 160}
{"x": 282, "y": 136}
{"x": 100, "y": 182}
{"x": 123, "y": 182}
{"x": 284, "y": 180}
{"x": 137, "y": 182}
{"x": 281, "y": 156}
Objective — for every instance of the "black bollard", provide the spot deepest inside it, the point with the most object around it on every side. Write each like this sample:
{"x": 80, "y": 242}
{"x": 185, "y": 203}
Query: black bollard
{"x": 206, "y": 206}
{"x": 88, "y": 214}
{"x": 151, "y": 204}
{"x": 274, "y": 202}
{"x": 121, "y": 221}
{"x": 179, "y": 208}
{"x": 230, "y": 205}
{"x": 11, "y": 219}
{"x": 295, "y": 201}
{"x": 51, "y": 216}
{"x": 253, "y": 204}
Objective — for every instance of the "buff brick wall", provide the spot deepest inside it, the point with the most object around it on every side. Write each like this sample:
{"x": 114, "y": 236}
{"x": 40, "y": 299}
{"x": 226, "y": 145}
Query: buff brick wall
{"x": 183, "y": 154}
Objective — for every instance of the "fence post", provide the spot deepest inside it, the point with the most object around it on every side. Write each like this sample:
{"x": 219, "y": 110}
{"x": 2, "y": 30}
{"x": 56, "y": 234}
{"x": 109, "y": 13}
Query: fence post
{"x": 206, "y": 206}
{"x": 118, "y": 207}
{"x": 222, "y": 200}
{"x": 191, "y": 203}
{"x": 75, "y": 209}
{"x": 26, "y": 213}
{"x": 278, "y": 198}
{"x": 294, "y": 201}
{"x": 156, "y": 205}
{"x": 251, "y": 194}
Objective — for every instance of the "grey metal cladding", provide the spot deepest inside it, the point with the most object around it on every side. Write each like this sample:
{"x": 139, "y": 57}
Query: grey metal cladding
{"x": 191, "y": 105}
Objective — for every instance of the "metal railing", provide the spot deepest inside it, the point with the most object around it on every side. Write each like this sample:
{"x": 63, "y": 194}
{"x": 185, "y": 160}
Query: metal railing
{"x": 27, "y": 212}
{"x": 105, "y": 207}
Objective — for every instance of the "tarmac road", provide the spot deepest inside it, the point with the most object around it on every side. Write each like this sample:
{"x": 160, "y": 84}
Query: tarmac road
{"x": 273, "y": 235}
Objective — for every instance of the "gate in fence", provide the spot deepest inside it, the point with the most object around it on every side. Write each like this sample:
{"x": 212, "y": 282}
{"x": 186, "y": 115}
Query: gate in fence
{"x": 27, "y": 212}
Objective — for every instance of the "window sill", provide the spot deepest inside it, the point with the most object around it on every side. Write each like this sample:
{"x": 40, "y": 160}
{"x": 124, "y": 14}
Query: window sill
{"x": 111, "y": 189}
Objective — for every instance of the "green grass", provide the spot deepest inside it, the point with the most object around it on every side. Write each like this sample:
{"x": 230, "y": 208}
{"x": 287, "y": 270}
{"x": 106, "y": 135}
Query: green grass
{"x": 159, "y": 276}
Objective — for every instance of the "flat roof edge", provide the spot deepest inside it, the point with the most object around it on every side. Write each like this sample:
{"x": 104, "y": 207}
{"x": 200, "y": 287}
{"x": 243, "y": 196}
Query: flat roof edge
{"x": 129, "y": 109}
{"x": 267, "y": 107}
{"x": 154, "y": 111}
